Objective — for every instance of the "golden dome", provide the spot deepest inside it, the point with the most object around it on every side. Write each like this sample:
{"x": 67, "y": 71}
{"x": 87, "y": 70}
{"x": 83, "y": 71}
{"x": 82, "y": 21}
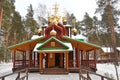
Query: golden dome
{"x": 64, "y": 19}
{"x": 74, "y": 30}
{"x": 39, "y": 30}
{"x": 53, "y": 33}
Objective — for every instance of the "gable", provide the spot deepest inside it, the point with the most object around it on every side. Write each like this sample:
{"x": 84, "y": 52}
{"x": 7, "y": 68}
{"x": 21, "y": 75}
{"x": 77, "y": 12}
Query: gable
{"x": 52, "y": 43}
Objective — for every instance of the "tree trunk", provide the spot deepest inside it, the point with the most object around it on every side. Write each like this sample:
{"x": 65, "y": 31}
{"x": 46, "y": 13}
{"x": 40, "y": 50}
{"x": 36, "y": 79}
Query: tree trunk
{"x": 110, "y": 20}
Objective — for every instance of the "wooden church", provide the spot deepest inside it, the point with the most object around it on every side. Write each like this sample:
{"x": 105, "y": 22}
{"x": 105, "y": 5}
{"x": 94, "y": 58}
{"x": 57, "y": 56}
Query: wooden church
{"x": 54, "y": 49}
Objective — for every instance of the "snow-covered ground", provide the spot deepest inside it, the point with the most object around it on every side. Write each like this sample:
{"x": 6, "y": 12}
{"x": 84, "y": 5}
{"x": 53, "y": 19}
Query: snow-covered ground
{"x": 5, "y": 68}
{"x": 104, "y": 69}
{"x": 108, "y": 69}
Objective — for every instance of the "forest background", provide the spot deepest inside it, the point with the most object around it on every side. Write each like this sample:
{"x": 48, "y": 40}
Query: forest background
{"x": 16, "y": 28}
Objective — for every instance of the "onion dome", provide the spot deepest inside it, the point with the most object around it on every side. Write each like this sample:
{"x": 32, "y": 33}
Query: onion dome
{"x": 53, "y": 33}
{"x": 39, "y": 31}
{"x": 74, "y": 31}
{"x": 55, "y": 22}
{"x": 64, "y": 20}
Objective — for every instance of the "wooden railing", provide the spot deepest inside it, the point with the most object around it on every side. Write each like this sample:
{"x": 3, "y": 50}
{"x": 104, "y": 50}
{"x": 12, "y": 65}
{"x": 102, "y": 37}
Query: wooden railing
{"x": 25, "y": 77}
{"x": 82, "y": 77}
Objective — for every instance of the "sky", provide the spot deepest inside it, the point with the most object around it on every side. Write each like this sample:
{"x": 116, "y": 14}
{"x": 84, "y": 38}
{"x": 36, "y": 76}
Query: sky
{"x": 78, "y": 7}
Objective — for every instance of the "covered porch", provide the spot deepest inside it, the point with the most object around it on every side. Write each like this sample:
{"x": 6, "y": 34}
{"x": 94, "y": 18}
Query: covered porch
{"x": 53, "y": 55}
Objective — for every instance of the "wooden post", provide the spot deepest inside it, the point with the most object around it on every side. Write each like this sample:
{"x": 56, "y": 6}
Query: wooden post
{"x": 34, "y": 59}
{"x": 23, "y": 59}
{"x": 78, "y": 58}
{"x": 66, "y": 61}
{"x": 40, "y": 59}
{"x": 81, "y": 57}
{"x": 87, "y": 58}
{"x": 95, "y": 60}
{"x": 29, "y": 58}
{"x": 14, "y": 58}
{"x": 88, "y": 76}
{"x": 3, "y": 78}
{"x": 74, "y": 57}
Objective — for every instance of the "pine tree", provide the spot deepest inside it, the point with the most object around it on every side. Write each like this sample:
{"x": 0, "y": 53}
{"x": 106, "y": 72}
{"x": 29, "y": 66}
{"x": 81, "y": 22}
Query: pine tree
{"x": 30, "y": 23}
{"x": 87, "y": 22}
{"x": 107, "y": 7}
{"x": 17, "y": 30}
{"x": 8, "y": 8}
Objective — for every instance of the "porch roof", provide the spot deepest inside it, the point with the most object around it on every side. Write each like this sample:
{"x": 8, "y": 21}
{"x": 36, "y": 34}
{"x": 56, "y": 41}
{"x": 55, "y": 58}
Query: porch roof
{"x": 82, "y": 45}
{"x": 26, "y": 45}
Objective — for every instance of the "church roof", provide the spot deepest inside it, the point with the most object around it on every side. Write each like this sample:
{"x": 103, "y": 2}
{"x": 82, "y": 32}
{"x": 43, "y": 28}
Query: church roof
{"x": 37, "y": 43}
{"x": 24, "y": 46}
{"x": 65, "y": 46}
{"x": 82, "y": 45}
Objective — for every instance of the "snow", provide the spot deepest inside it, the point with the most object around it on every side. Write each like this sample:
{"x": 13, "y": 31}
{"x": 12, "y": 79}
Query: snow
{"x": 106, "y": 49}
{"x": 118, "y": 48}
{"x": 109, "y": 49}
{"x": 5, "y": 68}
{"x": 35, "y": 37}
{"x": 79, "y": 36}
{"x": 103, "y": 69}
{"x": 108, "y": 68}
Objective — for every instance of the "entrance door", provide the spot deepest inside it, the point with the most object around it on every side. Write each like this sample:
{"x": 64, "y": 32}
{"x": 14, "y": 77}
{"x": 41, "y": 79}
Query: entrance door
{"x": 57, "y": 60}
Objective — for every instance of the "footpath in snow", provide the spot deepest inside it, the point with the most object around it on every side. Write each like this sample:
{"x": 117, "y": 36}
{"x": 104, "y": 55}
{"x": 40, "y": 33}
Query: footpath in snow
{"x": 103, "y": 69}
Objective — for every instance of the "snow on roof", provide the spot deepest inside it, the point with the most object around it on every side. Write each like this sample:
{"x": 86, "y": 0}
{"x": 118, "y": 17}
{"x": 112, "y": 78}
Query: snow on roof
{"x": 108, "y": 49}
{"x": 67, "y": 44}
{"x": 35, "y": 37}
{"x": 67, "y": 25}
{"x": 118, "y": 48}
{"x": 79, "y": 36}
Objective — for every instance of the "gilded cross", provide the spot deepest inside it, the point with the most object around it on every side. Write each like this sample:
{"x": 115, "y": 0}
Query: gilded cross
{"x": 55, "y": 8}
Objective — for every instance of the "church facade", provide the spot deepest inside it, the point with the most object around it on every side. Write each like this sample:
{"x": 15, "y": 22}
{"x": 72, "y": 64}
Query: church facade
{"x": 55, "y": 49}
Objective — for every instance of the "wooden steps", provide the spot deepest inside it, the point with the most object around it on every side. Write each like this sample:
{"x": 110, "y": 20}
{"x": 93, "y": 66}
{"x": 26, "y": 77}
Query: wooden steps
{"x": 54, "y": 71}
{"x": 34, "y": 70}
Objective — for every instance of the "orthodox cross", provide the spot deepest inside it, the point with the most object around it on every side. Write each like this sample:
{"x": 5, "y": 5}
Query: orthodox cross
{"x": 55, "y": 8}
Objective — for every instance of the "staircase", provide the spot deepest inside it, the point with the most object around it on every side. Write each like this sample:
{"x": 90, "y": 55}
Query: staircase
{"x": 54, "y": 71}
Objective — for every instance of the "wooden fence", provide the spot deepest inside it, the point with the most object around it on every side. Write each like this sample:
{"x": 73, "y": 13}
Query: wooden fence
{"x": 88, "y": 77}
{"x": 25, "y": 77}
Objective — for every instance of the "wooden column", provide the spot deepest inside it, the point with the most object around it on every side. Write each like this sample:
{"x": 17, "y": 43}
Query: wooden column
{"x": 23, "y": 59}
{"x": 61, "y": 60}
{"x": 40, "y": 61}
{"x": 34, "y": 59}
{"x": 29, "y": 59}
{"x": 87, "y": 56}
{"x": 81, "y": 55}
{"x": 70, "y": 32}
{"x": 66, "y": 60}
{"x": 78, "y": 58}
{"x": 95, "y": 60}
{"x": 14, "y": 58}
{"x": 74, "y": 57}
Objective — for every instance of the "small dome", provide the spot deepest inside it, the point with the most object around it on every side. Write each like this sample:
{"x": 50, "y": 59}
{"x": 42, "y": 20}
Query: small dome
{"x": 74, "y": 30}
{"x": 53, "y": 33}
{"x": 39, "y": 30}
